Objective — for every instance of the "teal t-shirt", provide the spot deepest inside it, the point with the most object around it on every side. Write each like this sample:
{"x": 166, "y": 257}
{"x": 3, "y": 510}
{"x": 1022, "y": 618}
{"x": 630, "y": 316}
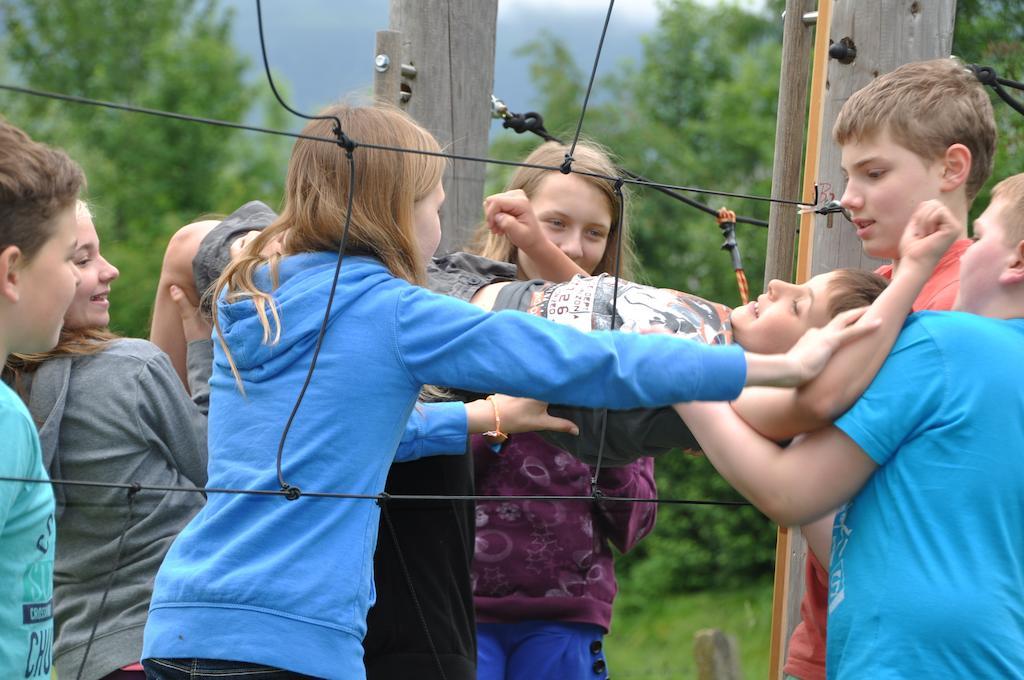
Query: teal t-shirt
{"x": 927, "y": 573}
{"x": 27, "y": 545}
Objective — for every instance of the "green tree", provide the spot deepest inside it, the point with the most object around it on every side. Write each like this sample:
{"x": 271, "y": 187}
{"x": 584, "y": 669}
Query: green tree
{"x": 147, "y": 176}
{"x": 991, "y": 33}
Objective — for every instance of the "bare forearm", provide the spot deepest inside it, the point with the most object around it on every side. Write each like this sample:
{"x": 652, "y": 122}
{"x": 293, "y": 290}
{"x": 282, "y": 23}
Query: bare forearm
{"x": 792, "y": 486}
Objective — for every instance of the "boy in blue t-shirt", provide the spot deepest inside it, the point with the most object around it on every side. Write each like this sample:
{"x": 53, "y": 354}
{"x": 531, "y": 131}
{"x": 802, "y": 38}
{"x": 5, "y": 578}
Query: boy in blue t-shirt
{"x": 927, "y": 564}
{"x": 38, "y": 189}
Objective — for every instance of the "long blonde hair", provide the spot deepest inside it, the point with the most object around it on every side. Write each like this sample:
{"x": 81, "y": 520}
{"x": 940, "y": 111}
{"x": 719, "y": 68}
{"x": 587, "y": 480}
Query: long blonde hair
{"x": 387, "y": 185}
{"x": 588, "y": 157}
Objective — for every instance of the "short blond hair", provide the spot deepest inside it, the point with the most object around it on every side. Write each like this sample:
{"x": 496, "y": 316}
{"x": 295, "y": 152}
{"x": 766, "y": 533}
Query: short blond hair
{"x": 588, "y": 157}
{"x": 1011, "y": 192}
{"x": 926, "y": 106}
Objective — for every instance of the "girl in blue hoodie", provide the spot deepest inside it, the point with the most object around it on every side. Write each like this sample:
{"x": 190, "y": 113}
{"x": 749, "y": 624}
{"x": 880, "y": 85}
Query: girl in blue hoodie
{"x": 257, "y": 581}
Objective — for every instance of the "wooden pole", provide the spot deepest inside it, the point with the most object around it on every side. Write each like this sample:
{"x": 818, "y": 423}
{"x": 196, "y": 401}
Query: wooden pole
{"x": 789, "y": 140}
{"x": 814, "y": 123}
{"x": 886, "y": 34}
{"x": 790, "y": 547}
{"x": 450, "y": 44}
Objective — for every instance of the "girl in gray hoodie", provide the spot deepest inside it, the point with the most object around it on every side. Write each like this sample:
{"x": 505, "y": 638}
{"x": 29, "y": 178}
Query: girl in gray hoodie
{"x": 111, "y": 409}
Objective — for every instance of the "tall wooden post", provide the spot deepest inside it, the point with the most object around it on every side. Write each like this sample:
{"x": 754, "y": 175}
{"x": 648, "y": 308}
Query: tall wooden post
{"x": 790, "y": 547}
{"x": 886, "y": 34}
{"x": 450, "y": 44}
{"x": 789, "y": 140}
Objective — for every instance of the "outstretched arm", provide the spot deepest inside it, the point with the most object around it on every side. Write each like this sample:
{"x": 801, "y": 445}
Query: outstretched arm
{"x": 441, "y": 428}
{"x": 782, "y": 414}
{"x": 793, "y": 485}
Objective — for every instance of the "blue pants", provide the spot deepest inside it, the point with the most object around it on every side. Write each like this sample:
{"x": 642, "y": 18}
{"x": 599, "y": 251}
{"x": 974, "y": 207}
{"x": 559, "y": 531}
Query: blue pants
{"x": 540, "y": 650}
{"x": 213, "y": 669}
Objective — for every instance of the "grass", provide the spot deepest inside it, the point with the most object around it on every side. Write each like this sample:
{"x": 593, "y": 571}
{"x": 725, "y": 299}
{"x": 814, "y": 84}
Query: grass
{"x": 652, "y": 640}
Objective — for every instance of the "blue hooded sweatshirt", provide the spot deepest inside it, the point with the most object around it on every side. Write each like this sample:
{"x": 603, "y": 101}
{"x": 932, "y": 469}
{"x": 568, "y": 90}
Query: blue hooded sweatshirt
{"x": 288, "y": 583}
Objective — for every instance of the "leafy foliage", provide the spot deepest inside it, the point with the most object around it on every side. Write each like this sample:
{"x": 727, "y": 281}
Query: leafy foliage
{"x": 991, "y": 33}
{"x": 147, "y": 176}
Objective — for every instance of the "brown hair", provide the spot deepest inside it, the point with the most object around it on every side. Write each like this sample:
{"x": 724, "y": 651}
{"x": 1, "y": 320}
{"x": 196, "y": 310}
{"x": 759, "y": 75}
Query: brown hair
{"x": 387, "y": 185}
{"x": 72, "y": 342}
{"x": 853, "y": 288}
{"x": 588, "y": 157}
{"x": 36, "y": 183}
{"x": 76, "y": 342}
{"x": 926, "y": 106}
{"x": 1011, "y": 192}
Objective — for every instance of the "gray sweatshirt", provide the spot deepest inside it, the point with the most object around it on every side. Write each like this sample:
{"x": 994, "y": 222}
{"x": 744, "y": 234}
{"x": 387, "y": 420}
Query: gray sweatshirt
{"x": 123, "y": 416}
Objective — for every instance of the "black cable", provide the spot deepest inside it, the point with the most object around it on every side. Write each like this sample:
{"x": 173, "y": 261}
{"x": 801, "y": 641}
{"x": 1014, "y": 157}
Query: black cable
{"x": 617, "y": 272}
{"x": 534, "y": 122}
{"x": 293, "y": 492}
{"x": 133, "y": 490}
{"x": 343, "y": 140}
{"x": 987, "y": 75}
{"x": 566, "y": 167}
{"x": 361, "y": 496}
{"x": 380, "y": 147}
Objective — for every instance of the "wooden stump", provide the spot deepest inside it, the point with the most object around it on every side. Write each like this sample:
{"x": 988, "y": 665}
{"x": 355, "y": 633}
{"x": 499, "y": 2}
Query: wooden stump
{"x": 717, "y": 655}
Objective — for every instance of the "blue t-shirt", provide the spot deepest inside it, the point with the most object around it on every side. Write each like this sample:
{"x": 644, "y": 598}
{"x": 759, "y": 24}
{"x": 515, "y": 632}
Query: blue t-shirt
{"x": 927, "y": 573}
{"x": 26, "y": 547}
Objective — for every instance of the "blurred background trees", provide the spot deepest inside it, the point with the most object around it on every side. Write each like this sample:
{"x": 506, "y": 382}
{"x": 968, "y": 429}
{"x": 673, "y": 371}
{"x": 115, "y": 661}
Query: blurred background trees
{"x": 147, "y": 176}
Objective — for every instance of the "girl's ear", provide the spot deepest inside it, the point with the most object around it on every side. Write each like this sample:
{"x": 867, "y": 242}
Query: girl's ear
{"x": 10, "y": 261}
{"x": 956, "y": 167}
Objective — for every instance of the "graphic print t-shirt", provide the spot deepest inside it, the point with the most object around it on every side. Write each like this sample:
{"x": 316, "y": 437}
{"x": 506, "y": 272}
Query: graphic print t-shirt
{"x": 586, "y": 303}
{"x": 27, "y": 544}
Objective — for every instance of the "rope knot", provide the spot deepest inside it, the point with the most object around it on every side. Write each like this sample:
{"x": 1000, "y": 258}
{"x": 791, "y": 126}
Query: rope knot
{"x": 566, "y": 167}
{"x": 344, "y": 141}
{"x": 292, "y": 493}
{"x": 986, "y": 75}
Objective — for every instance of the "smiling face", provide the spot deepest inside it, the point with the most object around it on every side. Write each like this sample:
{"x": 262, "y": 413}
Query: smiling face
{"x": 885, "y": 183}
{"x": 785, "y": 311}
{"x": 575, "y": 216}
{"x": 91, "y": 305}
{"x": 426, "y": 220}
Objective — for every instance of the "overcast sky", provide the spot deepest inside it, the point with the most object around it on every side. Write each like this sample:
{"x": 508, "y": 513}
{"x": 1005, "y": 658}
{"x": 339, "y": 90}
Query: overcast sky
{"x": 638, "y": 11}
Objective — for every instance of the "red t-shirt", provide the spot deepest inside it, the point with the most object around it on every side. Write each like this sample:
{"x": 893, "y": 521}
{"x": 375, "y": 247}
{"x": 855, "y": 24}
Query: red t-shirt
{"x": 806, "y": 656}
